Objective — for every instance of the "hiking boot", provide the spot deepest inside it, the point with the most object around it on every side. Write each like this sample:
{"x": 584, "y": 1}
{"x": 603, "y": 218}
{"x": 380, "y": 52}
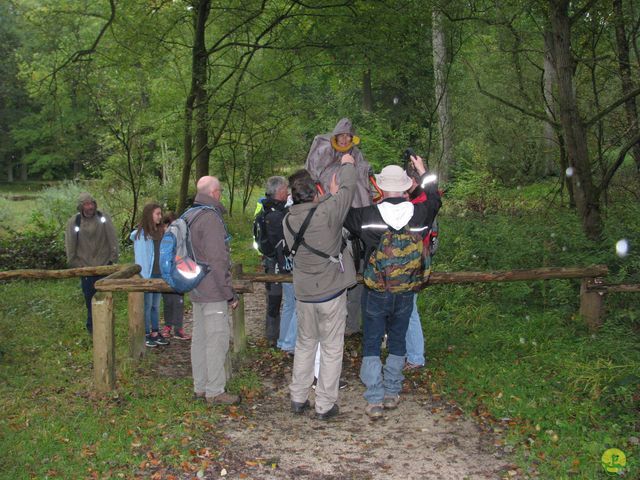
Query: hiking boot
{"x": 160, "y": 340}
{"x": 166, "y": 331}
{"x": 332, "y": 412}
{"x": 150, "y": 342}
{"x": 374, "y": 410}
{"x": 199, "y": 396}
{"x": 224, "y": 398}
{"x": 391, "y": 402}
{"x": 181, "y": 335}
{"x": 299, "y": 408}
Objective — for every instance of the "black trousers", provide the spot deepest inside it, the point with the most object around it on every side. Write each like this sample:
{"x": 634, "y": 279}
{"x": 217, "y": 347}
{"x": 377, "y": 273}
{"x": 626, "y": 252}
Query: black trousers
{"x": 274, "y": 299}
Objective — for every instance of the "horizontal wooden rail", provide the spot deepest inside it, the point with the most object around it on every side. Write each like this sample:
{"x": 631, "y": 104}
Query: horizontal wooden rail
{"x": 438, "y": 278}
{"x": 614, "y": 287}
{"x": 155, "y": 285}
{"x": 36, "y": 274}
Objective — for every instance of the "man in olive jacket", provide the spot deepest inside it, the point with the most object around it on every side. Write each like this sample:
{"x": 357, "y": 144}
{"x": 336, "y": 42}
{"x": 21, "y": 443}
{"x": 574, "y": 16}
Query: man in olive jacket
{"x": 213, "y": 295}
{"x": 90, "y": 241}
{"x": 323, "y": 271}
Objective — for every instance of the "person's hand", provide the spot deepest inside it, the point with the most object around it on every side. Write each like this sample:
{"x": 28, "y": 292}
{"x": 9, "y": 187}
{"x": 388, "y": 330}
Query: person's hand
{"x": 418, "y": 164}
{"x": 333, "y": 185}
{"x": 347, "y": 158}
{"x": 234, "y": 303}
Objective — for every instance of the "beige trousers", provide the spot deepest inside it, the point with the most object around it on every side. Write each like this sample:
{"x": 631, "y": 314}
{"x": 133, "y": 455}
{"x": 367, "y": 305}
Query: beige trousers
{"x": 209, "y": 346}
{"x": 323, "y": 324}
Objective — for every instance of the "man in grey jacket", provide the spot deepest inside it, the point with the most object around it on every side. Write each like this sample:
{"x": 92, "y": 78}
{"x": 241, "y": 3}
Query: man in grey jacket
{"x": 212, "y": 297}
{"x": 90, "y": 241}
{"x": 323, "y": 272}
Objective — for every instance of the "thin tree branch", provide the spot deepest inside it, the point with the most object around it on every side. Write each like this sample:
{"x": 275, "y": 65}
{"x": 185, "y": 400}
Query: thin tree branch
{"x": 613, "y": 106}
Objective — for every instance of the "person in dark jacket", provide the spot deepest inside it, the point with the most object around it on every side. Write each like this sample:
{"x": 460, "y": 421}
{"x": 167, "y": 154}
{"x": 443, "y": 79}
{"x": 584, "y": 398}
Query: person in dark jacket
{"x": 90, "y": 241}
{"x": 274, "y": 206}
{"x": 386, "y": 311}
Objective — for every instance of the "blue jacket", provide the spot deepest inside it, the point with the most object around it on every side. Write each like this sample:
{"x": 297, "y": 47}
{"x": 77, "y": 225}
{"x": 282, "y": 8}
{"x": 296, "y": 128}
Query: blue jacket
{"x": 143, "y": 251}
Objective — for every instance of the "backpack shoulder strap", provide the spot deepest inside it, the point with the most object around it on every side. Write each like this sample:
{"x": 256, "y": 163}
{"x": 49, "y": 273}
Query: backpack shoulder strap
{"x": 298, "y": 238}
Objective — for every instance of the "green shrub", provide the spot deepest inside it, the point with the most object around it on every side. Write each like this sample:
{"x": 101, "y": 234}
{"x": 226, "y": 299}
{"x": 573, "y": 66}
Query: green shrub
{"x": 32, "y": 249}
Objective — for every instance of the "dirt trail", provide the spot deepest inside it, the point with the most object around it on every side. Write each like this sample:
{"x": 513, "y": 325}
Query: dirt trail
{"x": 424, "y": 438}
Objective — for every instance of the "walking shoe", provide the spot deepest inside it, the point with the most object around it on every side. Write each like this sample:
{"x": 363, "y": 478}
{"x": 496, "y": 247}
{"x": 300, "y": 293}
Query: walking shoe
{"x": 298, "y": 408}
{"x": 224, "y": 398}
{"x": 374, "y": 410}
{"x": 150, "y": 342}
{"x": 160, "y": 340}
{"x": 332, "y": 412}
{"x": 166, "y": 331}
{"x": 411, "y": 366}
{"x": 391, "y": 402}
{"x": 199, "y": 396}
{"x": 181, "y": 335}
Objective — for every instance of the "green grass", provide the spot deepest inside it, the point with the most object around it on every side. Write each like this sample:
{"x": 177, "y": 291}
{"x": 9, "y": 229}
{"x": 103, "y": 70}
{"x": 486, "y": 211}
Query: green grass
{"x": 53, "y": 425}
{"x": 519, "y": 351}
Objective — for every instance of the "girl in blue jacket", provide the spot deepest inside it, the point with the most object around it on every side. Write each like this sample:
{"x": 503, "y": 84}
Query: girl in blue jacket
{"x": 146, "y": 247}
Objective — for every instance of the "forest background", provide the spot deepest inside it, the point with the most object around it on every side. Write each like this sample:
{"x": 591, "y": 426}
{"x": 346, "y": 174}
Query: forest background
{"x": 526, "y": 110}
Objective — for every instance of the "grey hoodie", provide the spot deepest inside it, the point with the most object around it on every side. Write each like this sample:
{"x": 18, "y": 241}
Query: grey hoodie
{"x": 323, "y": 161}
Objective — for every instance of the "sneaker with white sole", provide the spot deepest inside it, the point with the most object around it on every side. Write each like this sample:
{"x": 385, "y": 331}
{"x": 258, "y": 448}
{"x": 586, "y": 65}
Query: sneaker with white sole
{"x": 150, "y": 342}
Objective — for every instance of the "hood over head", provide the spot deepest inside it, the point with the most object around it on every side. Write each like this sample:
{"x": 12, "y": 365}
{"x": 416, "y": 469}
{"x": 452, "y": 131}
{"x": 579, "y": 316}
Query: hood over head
{"x": 344, "y": 125}
{"x": 85, "y": 197}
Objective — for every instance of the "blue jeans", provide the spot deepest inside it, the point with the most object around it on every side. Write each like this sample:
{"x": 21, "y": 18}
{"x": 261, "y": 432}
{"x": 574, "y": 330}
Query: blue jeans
{"x": 415, "y": 337}
{"x": 152, "y": 310}
{"x": 288, "y": 319}
{"x": 384, "y": 312}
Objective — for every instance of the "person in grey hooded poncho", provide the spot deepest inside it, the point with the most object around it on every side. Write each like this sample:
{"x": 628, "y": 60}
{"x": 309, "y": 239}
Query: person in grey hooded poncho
{"x": 323, "y": 161}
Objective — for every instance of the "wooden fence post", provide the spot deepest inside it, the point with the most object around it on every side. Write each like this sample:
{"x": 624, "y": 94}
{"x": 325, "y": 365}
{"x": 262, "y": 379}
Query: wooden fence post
{"x": 591, "y": 304}
{"x": 136, "y": 325}
{"x": 239, "y": 333}
{"x": 104, "y": 347}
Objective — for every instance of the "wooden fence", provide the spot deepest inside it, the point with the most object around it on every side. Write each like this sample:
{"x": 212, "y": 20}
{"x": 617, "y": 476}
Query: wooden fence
{"x": 125, "y": 278}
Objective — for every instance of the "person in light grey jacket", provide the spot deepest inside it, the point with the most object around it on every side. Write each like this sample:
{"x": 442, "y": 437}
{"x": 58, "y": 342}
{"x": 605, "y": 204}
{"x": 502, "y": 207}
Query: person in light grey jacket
{"x": 323, "y": 271}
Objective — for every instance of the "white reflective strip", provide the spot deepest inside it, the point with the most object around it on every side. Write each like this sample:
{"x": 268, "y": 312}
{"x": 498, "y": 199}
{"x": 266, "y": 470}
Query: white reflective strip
{"x": 418, "y": 229}
{"x": 76, "y": 228}
{"x": 103, "y": 219}
{"x": 376, "y": 225}
{"x": 428, "y": 179}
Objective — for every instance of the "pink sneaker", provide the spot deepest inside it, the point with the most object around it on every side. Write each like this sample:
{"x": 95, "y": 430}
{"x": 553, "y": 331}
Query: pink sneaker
{"x": 166, "y": 331}
{"x": 181, "y": 335}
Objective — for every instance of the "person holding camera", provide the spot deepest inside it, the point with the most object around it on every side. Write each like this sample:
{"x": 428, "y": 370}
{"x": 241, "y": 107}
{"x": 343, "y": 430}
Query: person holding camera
{"x": 397, "y": 264}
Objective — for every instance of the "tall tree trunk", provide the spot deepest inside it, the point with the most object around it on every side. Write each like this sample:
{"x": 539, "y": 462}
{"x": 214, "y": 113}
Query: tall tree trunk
{"x": 574, "y": 132}
{"x": 24, "y": 171}
{"x": 10, "y": 178}
{"x": 625, "y": 76}
{"x": 197, "y": 102}
{"x": 367, "y": 91}
{"x": 550, "y": 141}
{"x": 440, "y": 68}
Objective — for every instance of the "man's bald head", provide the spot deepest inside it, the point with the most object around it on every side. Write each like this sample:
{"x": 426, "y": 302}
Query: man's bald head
{"x": 210, "y": 186}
